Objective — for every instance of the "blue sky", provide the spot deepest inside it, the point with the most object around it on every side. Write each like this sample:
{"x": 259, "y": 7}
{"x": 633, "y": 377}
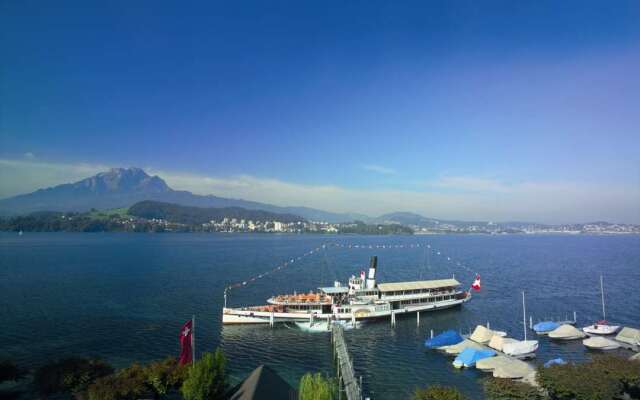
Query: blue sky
{"x": 484, "y": 110}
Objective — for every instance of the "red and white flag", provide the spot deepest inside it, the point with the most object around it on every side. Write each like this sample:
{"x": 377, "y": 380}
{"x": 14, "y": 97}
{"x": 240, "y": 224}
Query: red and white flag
{"x": 186, "y": 343}
{"x": 476, "y": 284}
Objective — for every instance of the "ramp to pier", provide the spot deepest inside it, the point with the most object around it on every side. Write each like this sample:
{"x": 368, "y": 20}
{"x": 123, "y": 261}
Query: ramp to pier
{"x": 347, "y": 382}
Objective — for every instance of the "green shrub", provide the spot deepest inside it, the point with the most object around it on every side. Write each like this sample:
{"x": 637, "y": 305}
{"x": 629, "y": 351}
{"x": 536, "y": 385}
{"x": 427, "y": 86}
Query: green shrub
{"x": 507, "y": 389}
{"x": 127, "y": 384}
{"x": 578, "y": 382}
{"x": 153, "y": 380}
{"x": 166, "y": 375}
{"x": 316, "y": 387}
{"x": 437, "y": 392}
{"x": 70, "y": 375}
{"x": 207, "y": 379}
{"x": 625, "y": 371}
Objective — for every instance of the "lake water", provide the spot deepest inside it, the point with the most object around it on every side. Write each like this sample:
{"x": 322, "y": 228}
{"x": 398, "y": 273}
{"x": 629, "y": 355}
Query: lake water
{"x": 123, "y": 297}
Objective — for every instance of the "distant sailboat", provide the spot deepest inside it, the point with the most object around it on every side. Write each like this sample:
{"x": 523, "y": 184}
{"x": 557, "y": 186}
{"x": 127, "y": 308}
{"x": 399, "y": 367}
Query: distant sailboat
{"x": 601, "y": 327}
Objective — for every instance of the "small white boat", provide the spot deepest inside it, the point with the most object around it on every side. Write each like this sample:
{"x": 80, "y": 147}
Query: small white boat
{"x": 521, "y": 348}
{"x": 498, "y": 342}
{"x": 524, "y": 348}
{"x": 323, "y": 326}
{"x": 629, "y": 336}
{"x": 601, "y": 327}
{"x": 459, "y": 348}
{"x": 482, "y": 335}
{"x": 491, "y": 363}
{"x": 566, "y": 332}
{"x": 600, "y": 343}
{"x": 514, "y": 369}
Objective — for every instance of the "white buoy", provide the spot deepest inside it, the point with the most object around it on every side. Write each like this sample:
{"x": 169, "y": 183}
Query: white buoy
{"x": 418, "y": 318}
{"x": 432, "y": 334}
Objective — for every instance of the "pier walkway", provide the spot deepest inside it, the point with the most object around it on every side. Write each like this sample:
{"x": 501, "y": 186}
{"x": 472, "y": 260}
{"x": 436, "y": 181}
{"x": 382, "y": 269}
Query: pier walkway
{"x": 347, "y": 381}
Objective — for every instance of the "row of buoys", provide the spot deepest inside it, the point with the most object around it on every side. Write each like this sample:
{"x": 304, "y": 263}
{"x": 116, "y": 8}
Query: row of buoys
{"x": 342, "y": 246}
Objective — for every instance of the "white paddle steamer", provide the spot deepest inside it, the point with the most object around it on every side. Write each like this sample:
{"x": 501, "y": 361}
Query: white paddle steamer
{"x": 362, "y": 299}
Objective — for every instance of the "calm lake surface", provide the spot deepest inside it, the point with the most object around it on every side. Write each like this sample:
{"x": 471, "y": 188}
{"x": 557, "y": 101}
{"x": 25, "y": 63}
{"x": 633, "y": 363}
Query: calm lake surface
{"x": 123, "y": 297}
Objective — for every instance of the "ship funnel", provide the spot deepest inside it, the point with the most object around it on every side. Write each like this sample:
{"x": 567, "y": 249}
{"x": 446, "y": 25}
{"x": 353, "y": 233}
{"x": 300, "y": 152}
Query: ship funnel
{"x": 371, "y": 279}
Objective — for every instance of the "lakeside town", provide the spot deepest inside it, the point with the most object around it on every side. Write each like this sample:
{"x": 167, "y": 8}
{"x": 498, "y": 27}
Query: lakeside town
{"x": 122, "y": 221}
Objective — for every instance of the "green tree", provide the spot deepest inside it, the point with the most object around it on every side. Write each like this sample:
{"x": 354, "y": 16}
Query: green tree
{"x": 437, "y": 392}
{"x": 316, "y": 387}
{"x": 207, "y": 379}
{"x": 507, "y": 389}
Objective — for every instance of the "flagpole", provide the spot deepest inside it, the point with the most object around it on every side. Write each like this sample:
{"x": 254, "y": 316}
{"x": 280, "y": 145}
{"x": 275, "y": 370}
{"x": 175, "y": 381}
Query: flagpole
{"x": 193, "y": 341}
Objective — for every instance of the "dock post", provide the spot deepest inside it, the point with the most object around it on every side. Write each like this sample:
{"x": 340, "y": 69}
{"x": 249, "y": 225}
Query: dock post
{"x": 530, "y": 322}
{"x": 271, "y": 319}
{"x": 488, "y": 326}
{"x": 353, "y": 320}
{"x": 393, "y": 318}
{"x": 574, "y": 317}
{"x": 418, "y": 318}
{"x": 432, "y": 334}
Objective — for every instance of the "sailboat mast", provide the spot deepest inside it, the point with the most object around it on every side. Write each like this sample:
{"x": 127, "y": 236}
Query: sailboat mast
{"x": 524, "y": 317}
{"x": 604, "y": 315}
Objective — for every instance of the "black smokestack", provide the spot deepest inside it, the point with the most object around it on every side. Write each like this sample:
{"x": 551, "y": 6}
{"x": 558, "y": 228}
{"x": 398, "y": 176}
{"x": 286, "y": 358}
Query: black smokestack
{"x": 371, "y": 280}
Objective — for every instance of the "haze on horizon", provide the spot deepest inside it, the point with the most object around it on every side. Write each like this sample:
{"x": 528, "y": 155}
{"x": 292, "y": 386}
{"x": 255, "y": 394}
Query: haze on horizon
{"x": 496, "y": 110}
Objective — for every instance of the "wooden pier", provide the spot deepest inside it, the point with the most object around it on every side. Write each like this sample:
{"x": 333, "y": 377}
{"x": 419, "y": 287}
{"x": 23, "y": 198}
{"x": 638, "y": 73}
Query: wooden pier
{"x": 347, "y": 382}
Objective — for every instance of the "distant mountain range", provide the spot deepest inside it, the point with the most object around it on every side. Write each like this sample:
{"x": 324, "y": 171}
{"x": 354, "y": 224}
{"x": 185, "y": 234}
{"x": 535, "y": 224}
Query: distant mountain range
{"x": 123, "y": 187}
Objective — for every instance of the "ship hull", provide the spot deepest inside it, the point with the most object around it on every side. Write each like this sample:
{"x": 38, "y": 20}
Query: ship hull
{"x": 235, "y": 316}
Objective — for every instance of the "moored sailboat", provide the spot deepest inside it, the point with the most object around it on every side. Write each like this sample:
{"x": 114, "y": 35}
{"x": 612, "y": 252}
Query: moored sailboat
{"x": 524, "y": 348}
{"x": 601, "y": 327}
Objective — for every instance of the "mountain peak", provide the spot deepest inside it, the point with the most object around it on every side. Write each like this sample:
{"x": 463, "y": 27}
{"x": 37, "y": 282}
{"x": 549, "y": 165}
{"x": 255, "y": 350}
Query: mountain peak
{"x": 123, "y": 180}
{"x": 118, "y": 172}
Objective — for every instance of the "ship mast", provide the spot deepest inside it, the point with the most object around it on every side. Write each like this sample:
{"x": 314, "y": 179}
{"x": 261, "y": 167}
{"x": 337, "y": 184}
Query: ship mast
{"x": 524, "y": 317}
{"x": 604, "y": 315}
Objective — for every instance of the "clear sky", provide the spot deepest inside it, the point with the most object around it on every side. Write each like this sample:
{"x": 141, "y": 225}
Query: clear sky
{"x": 453, "y": 109}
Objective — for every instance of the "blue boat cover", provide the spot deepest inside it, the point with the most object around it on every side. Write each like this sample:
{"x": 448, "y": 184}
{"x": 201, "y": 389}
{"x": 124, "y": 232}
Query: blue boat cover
{"x": 555, "y": 361}
{"x": 469, "y": 356}
{"x": 545, "y": 326}
{"x": 446, "y": 338}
